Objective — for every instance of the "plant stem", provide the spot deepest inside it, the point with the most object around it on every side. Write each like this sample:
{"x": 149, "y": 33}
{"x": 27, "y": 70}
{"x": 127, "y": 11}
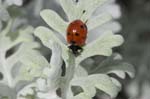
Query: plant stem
{"x": 69, "y": 75}
{"x": 6, "y": 71}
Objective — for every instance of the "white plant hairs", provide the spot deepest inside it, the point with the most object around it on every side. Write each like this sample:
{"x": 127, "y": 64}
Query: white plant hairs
{"x": 27, "y": 74}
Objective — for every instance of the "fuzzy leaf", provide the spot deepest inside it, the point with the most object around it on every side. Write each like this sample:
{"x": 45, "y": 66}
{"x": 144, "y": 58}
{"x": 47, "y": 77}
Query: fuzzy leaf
{"x": 116, "y": 82}
{"x": 24, "y": 36}
{"x": 33, "y": 64}
{"x": 83, "y": 9}
{"x": 89, "y": 6}
{"x": 82, "y": 96}
{"x": 98, "y": 21}
{"x": 113, "y": 26}
{"x": 27, "y": 92}
{"x": 45, "y": 86}
{"x": 10, "y": 64}
{"x": 80, "y": 71}
{"x": 54, "y": 21}
{"x": 100, "y": 81}
{"x": 7, "y": 92}
{"x": 46, "y": 35}
{"x": 118, "y": 67}
{"x": 102, "y": 46}
{"x": 26, "y": 47}
{"x": 69, "y": 8}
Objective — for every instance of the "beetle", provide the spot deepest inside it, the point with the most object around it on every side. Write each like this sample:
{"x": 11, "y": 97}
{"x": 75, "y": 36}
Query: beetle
{"x": 76, "y": 36}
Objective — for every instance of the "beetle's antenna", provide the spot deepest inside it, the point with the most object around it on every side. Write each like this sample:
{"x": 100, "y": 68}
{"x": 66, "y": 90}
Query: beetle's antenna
{"x": 86, "y": 21}
{"x": 83, "y": 12}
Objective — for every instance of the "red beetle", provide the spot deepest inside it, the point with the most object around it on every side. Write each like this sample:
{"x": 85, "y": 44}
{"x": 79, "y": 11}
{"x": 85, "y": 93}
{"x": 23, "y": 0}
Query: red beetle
{"x": 76, "y": 36}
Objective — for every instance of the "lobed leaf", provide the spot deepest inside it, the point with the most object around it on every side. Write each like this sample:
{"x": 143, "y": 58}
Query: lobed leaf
{"x": 70, "y": 9}
{"x": 46, "y": 35}
{"x": 89, "y": 6}
{"x": 7, "y": 64}
{"x": 54, "y": 21}
{"x": 80, "y": 72}
{"x": 118, "y": 67}
{"x": 98, "y": 21}
{"x": 33, "y": 65}
{"x": 100, "y": 81}
{"x": 102, "y": 46}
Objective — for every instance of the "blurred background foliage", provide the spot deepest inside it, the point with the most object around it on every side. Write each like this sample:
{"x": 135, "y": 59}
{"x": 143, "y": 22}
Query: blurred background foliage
{"x": 135, "y": 22}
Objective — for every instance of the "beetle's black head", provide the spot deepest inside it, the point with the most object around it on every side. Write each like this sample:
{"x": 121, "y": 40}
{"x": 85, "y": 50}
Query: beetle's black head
{"x": 76, "y": 50}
